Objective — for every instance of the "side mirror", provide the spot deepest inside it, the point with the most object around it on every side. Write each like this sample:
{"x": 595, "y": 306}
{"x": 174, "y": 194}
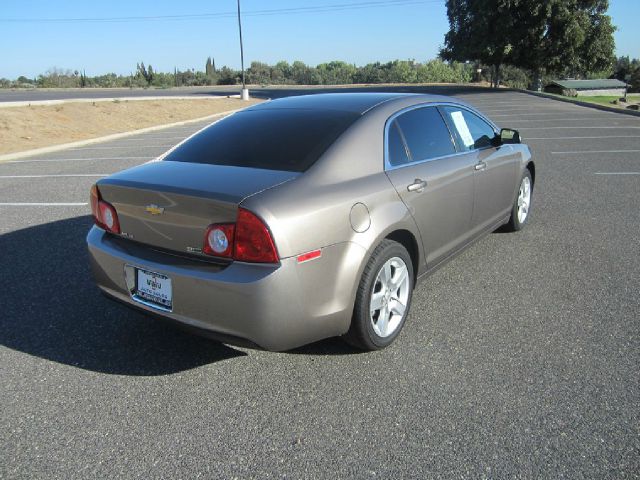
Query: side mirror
{"x": 508, "y": 135}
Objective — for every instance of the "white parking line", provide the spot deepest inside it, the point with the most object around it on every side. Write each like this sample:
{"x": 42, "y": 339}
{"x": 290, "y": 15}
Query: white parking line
{"x": 77, "y": 159}
{"x": 557, "y": 119}
{"x": 580, "y": 138}
{"x": 600, "y": 127}
{"x": 121, "y": 146}
{"x": 533, "y": 114}
{"x": 617, "y": 173}
{"x": 594, "y": 151}
{"x": 60, "y": 204}
{"x": 58, "y": 176}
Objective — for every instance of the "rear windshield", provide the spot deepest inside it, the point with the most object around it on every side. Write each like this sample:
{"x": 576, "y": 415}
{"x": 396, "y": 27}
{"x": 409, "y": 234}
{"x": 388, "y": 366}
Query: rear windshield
{"x": 290, "y": 140}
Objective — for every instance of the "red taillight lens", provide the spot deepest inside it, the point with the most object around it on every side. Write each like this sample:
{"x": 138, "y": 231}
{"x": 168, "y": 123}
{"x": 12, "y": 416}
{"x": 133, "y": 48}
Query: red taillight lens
{"x": 248, "y": 240}
{"x": 104, "y": 215}
{"x": 218, "y": 240}
{"x": 253, "y": 242}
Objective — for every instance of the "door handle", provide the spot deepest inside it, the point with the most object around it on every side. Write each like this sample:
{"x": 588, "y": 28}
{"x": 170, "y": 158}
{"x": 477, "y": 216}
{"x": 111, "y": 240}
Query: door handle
{"x": 480, "y": 166}
{"x": 417, "y": 186}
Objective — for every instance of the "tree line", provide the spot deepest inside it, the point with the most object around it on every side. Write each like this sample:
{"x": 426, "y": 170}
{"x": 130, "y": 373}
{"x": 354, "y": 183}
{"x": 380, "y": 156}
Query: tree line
{"x": 259, "y": 73}
{"x": 299, "y": 73}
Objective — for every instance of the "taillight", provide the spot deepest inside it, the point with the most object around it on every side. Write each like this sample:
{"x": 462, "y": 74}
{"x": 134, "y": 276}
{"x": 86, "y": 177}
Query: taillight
{"x": 253, "y": 242}
{"x": 248, "y": 240}
{"x": 218, "y": 240}
{"x": 104, "y": 215}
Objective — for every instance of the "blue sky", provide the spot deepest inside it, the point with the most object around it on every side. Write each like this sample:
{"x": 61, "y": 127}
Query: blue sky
{"x": 381, "y": 30}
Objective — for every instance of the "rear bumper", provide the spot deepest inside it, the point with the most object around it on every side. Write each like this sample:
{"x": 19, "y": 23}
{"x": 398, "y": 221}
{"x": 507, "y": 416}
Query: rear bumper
{"x": 277, "y": 307}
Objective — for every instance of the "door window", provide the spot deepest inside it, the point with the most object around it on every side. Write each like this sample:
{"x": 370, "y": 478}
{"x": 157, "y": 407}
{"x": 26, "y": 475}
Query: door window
{"x": 472, "y": 131}
{"x": 425, "y": 133}
{"x": 397, "y": 149}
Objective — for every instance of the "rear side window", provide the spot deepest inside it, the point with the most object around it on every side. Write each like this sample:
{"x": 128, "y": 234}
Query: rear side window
{"x": 426, "y": 134}
{"x": 286, "y": 139}
{"x": 472, "y": 131}
{"x": 397, "y": 149}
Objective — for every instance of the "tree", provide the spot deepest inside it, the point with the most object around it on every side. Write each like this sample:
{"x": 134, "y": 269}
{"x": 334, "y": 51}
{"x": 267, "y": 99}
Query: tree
{"x": 208, "y": 69}
{"x": 480, "y": 30}
{"x": 146, "y": 73}
{"x": 570, "y": 37}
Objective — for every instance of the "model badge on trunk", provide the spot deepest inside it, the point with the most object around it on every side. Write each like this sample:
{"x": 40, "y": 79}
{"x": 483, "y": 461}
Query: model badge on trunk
{"x": 154, "y": 209}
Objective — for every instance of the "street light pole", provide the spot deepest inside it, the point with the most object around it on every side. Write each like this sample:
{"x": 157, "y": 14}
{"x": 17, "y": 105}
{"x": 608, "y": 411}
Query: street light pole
{"x": 245, "y": 91}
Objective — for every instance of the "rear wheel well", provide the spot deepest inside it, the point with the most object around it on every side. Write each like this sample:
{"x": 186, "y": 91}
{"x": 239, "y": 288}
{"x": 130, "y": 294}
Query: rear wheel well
{"x": 532, "y": 169}
{"x": 408, "y": 241}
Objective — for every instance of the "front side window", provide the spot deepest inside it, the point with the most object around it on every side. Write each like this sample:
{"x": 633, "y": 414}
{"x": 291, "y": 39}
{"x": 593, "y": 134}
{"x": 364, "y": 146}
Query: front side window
{"x": 426, "y": 134}
{"x": 472, "y": 131}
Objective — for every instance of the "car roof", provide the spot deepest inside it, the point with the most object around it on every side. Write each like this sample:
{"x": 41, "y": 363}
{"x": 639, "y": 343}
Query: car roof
{"x": 356, "y": 102}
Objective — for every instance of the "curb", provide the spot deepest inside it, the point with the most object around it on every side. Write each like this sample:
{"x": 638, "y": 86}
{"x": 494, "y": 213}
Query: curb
{"x": 595, "y": 106}
{"x": 115, "y": 136}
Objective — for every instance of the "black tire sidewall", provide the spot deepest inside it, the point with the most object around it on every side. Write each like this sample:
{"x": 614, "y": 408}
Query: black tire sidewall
{"x": 385, "y": 251}
{"x": 514, "y": 222}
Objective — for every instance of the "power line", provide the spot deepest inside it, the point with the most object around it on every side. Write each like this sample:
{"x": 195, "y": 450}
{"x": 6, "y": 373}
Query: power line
{"x": 252, "y": 13}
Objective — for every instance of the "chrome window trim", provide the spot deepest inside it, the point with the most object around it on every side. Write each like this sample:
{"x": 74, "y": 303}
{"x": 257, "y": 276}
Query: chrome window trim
{"x": 389, "y": 121}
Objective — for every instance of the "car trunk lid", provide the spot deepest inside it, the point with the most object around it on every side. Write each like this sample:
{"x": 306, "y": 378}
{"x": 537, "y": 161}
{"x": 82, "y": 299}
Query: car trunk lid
{"x": 170, "y": 204}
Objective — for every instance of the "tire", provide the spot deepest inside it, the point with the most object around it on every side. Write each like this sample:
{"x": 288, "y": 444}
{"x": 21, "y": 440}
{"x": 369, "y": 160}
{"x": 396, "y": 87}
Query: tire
{"x": 521, "y": 209}
{"x": 389, "y": 261}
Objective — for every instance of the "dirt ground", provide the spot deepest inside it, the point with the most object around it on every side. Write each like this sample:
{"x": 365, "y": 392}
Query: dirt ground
{"x": 29, "y": 127}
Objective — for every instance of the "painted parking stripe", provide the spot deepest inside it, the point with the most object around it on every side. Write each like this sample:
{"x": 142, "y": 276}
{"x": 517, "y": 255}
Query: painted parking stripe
{"x": 580, "y": 138}
{"x": 58, "y": 176}
{"x": 34, "y": 204}
{"x": 594, "y": 151}
{"x": 557, "y": 119}
{"x": 534, "y": 114}
{"x": 37, "y": 160}
{"x": 582, "y": 127}
{"x": 115, "y": 147}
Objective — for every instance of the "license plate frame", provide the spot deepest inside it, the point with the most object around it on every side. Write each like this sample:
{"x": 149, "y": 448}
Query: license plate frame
{"x": 153, "y": 289}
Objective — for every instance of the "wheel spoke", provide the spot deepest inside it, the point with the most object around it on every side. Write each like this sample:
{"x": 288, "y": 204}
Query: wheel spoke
{"x": 399, "y": 278}
{"x": 377, "y": 299}
{"x": 385, "y": 275}
{"x": 383, "y": 321}
{"x": 397, "y": 307}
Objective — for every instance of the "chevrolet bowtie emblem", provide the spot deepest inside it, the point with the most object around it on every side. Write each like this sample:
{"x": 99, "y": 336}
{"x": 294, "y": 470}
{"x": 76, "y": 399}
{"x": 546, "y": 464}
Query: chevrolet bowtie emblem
{"x": 154, "y": 209}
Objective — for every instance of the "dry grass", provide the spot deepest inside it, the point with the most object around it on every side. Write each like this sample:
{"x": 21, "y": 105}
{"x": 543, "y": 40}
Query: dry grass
{"x": 25, "y": 128}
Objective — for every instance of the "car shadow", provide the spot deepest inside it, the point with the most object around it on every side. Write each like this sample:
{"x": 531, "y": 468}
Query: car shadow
{"x": 52, "y": 309}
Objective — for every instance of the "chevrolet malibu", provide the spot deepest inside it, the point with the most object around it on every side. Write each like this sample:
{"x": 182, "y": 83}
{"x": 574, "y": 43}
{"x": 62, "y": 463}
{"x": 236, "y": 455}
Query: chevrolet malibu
{"x": 307, "y": 217}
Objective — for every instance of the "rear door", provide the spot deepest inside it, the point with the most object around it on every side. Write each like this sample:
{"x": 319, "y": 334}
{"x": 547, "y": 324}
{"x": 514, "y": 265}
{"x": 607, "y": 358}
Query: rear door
{"x": 433, "y": 180}
{"x": 496, "y": 167}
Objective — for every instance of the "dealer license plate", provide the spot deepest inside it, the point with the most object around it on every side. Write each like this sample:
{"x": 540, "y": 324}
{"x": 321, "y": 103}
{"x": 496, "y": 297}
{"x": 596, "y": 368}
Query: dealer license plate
{"x": 154, "y": 288}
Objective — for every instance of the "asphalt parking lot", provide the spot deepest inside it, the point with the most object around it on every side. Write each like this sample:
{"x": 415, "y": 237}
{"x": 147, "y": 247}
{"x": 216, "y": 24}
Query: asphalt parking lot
{"x": 520, "y": 358}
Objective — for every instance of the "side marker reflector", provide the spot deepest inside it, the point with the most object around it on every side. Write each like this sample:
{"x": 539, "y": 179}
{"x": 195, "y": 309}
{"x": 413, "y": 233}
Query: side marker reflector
{"x": 305, "y": 257}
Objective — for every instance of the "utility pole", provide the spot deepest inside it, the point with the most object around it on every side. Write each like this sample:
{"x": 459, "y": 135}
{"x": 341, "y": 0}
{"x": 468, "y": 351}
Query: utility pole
{"x": 245, "y": 91}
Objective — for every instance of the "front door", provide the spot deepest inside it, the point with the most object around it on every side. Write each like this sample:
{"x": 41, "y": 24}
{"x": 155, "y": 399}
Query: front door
{"x": 433, "y": 180}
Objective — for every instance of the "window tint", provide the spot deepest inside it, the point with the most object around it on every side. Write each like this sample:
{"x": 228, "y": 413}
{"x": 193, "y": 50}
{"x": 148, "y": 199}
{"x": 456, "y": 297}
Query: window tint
{"x": 286, "y": 139}
{"x": 473, "y": 132}
{"x": 426, "y": 133}
{"x": 397, "y": 151}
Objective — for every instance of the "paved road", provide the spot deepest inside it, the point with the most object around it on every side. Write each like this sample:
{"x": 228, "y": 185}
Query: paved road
{"x": 520, "y": 358}
{"x": 219, "y": 90}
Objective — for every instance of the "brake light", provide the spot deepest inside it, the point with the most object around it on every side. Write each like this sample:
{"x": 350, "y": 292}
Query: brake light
{"x": 104, "y": 215}
{"x": 253, "y": 242}
{"x": 248, "y": 240}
